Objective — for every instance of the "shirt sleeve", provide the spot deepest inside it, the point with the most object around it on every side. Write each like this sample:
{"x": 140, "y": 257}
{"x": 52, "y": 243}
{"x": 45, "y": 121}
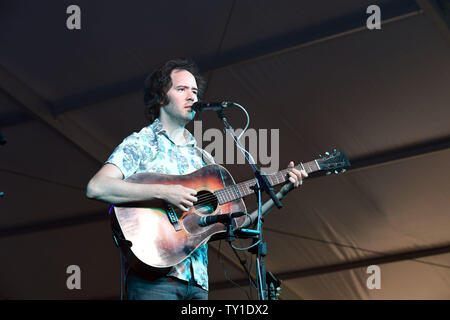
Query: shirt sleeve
{"x": 128, "y": 155}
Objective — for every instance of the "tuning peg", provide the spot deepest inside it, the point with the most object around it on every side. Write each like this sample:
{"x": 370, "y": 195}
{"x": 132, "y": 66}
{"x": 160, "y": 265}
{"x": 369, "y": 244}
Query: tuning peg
{"x": 343, "y": 170}
{"x": 336, "y": 172}
{"x": 320, "y": 156}
{"x": 334, "y": 151}
{"x": 328, "y": 173}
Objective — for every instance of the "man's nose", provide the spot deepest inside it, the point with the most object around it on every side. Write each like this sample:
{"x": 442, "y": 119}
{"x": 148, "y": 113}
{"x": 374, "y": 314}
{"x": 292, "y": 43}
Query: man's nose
{"x": 191, "y": 96}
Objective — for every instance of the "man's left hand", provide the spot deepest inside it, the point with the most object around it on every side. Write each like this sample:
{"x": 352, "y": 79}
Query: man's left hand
{"x": 296, "y": 176}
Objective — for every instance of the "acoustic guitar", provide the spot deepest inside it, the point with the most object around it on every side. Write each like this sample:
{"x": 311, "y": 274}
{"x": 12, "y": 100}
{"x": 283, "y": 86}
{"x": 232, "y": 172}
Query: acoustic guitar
{"x": 161, "y": 235}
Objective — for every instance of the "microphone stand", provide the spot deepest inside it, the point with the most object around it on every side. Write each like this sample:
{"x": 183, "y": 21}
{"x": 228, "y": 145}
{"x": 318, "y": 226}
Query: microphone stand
{"x": 261, "y": 184}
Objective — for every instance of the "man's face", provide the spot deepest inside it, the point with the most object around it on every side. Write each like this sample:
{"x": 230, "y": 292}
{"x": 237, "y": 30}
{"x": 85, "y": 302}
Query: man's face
{"x": 182, "y": 94}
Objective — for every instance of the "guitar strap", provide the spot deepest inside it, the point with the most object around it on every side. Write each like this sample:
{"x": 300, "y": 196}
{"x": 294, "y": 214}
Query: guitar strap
{"x": 122, "y": 244}
{"x": 118, "y": 236}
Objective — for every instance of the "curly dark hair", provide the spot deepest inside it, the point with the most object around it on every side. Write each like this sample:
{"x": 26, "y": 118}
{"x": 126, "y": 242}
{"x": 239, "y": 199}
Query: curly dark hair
{"x": 159, "y": 82}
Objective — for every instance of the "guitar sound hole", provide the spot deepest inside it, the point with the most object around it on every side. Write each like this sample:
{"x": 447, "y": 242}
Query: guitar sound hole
{"x": 207, "y": 202}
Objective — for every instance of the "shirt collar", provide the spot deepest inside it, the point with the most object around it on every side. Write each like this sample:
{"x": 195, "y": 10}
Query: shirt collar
{"x": 157, "y": 128}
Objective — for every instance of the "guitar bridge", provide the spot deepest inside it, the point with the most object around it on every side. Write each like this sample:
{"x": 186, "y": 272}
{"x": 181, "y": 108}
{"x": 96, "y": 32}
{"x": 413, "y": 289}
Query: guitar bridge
{"x": 173, "y": 218}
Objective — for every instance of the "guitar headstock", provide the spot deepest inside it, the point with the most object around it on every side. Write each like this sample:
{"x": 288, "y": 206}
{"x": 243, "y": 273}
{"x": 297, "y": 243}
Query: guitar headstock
{"x": 335, "y": 160}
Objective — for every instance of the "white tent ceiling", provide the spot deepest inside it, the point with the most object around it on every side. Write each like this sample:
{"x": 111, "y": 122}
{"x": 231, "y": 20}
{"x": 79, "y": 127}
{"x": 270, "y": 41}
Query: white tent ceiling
{"x": 312, "y": 71}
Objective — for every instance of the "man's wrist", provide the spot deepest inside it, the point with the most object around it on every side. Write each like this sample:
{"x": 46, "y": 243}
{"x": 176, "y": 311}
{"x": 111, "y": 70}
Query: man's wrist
{"x": 159, "y": 191}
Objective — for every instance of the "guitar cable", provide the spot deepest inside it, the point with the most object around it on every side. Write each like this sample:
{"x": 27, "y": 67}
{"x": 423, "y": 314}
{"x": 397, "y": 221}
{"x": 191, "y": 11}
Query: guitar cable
{"x": 118, "y": 240}
{"x": 121, "y": 275}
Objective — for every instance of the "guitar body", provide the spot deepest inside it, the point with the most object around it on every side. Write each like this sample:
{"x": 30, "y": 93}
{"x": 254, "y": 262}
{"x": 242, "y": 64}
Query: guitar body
{"x": 159, "y": 242}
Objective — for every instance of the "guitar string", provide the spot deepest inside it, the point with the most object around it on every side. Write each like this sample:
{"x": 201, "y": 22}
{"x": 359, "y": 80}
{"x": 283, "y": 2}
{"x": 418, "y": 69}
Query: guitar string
{"x": 229, "y": 192}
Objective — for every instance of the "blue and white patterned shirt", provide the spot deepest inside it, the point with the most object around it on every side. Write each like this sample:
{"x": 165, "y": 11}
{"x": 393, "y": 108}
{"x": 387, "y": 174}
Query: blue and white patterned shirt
{"x": 151, "y": 150}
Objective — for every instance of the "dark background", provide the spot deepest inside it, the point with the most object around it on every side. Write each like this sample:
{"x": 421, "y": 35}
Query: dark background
{"x": 312, "y": 70}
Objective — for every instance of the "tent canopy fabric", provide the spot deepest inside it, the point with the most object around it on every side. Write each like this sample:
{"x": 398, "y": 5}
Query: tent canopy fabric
{"x": 312, "y": 76}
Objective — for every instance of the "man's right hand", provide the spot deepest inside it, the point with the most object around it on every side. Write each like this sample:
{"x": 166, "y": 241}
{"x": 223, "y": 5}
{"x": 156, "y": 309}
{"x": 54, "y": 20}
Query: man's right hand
{"x": 108, "y": 186}
{"x": 179, "y": 196}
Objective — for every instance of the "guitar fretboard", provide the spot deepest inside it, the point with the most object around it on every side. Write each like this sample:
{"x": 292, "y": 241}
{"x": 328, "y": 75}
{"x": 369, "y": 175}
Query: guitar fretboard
{"x": 240, "y": 190}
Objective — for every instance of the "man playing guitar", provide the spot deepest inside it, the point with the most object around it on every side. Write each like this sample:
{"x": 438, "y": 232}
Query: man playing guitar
{"x": 164, "y": 147}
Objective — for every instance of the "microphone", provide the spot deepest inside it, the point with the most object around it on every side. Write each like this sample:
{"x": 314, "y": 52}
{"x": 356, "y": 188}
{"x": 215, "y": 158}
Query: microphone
{"x": 210, "y": 106}
{"x": 206, "y": 221}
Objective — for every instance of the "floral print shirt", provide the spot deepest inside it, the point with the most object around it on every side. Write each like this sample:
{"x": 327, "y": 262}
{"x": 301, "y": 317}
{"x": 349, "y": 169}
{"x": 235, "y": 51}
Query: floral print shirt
{"x": 151, "y": 150}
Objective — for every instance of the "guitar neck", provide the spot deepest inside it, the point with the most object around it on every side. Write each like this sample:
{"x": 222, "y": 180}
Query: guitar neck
{"x": 240, "y": 190}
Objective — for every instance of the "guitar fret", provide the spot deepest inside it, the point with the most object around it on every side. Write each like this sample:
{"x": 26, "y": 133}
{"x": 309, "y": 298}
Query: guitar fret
{"x": 235, "y": 191}
{"x": 222, "y": 196}
{"x": 218, "y": 195}
{"x": 307, "y": 167}
{"x": 247, "y": 188}
{"x": 283, "y": 176}
{"x": 312, "y": 166}
{"x": 243, "y": 189}
{"x": 240, "y": 191}
{"x": 232, "y": 192}
{"x": 277, "y": 179}
{"x": 228, "y": 195}
{"x": 274, "y": 179}
{"x": 248, "y": 185}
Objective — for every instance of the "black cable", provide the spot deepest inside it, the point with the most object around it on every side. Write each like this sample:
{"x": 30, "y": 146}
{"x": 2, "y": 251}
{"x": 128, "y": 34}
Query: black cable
{"x": 121, "y": 275}
{"x": 251, "y": 281}
{"x": 225, "y": 271}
